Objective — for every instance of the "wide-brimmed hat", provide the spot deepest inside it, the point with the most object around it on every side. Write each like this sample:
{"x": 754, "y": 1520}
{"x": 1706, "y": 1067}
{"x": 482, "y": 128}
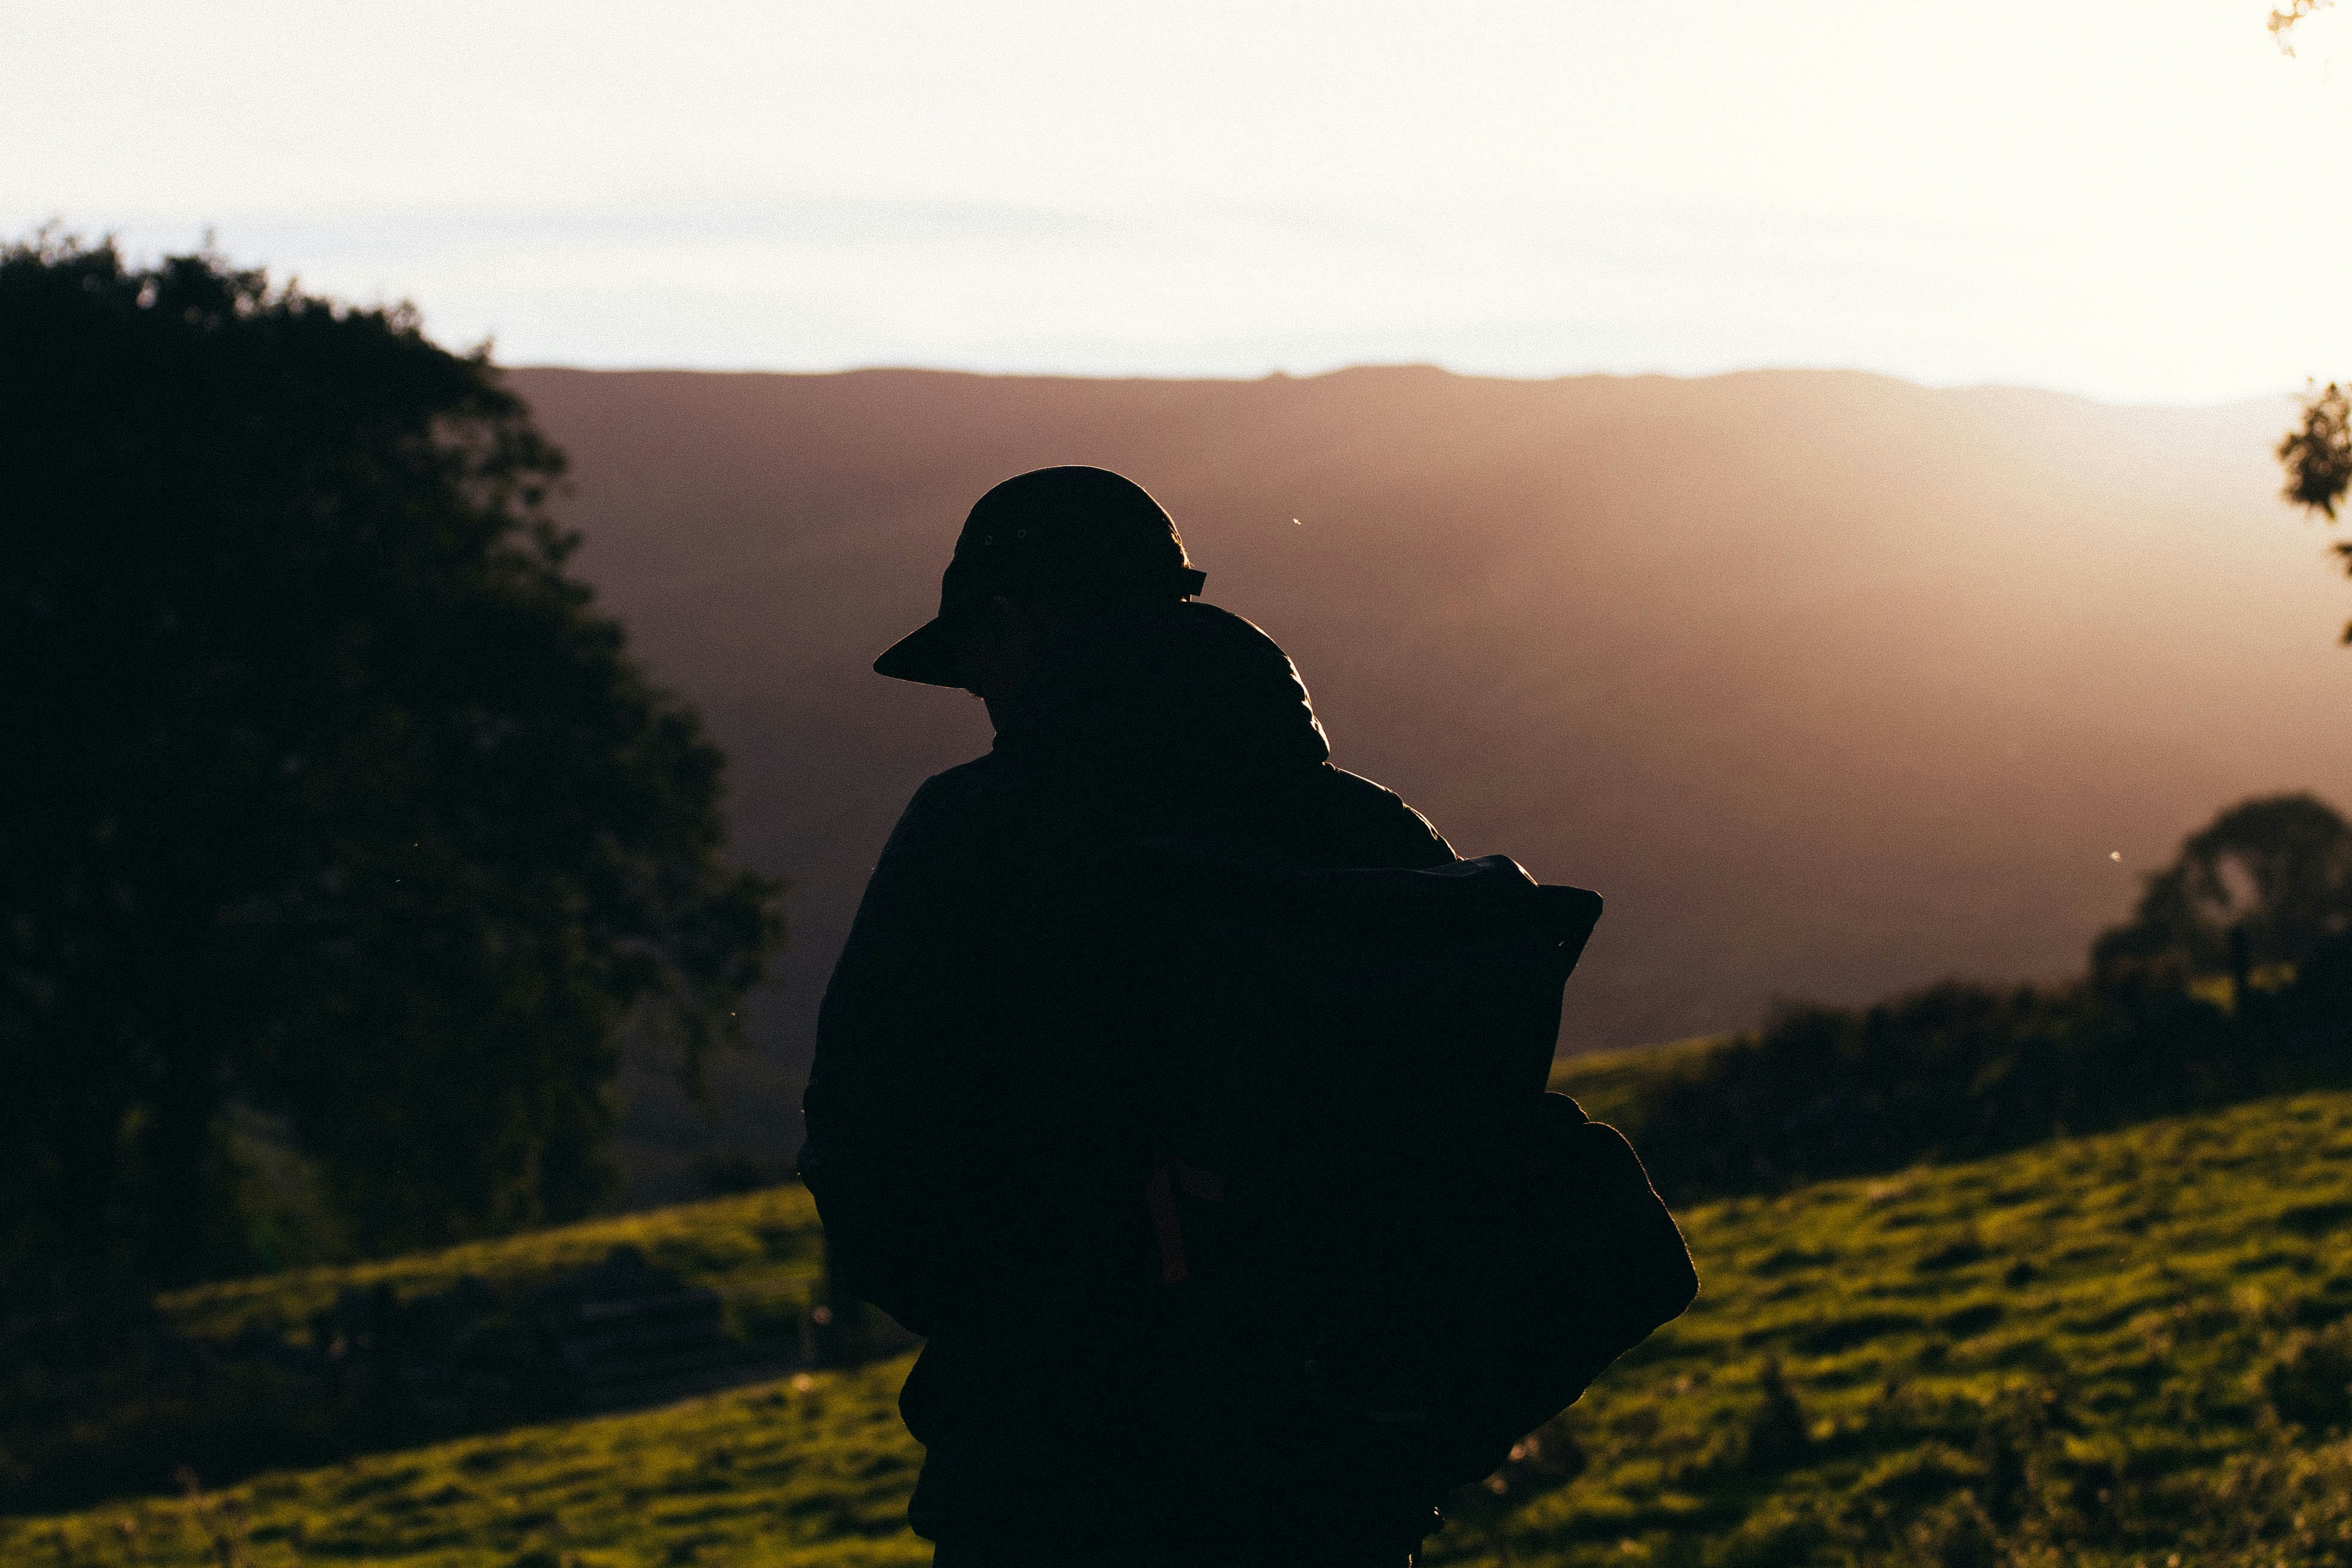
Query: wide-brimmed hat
{"x": 1074, "y": 528}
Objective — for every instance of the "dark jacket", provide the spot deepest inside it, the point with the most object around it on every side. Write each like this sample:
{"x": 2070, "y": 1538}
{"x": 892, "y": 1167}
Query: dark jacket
{"x": 979, "y": 1140}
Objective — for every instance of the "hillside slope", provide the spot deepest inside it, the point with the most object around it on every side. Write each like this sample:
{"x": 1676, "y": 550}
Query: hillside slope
{"x": 1831, "y": 683}
{"x": 2117, "y": 1348}
{"x": 757, "y": 1245}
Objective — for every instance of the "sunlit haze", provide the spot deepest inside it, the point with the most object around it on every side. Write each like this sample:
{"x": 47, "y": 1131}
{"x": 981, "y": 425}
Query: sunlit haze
{"x": 2137, "y": 202}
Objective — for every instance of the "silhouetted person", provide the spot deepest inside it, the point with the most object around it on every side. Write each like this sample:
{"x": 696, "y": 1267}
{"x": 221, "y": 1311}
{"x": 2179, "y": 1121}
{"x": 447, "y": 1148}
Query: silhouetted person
{"x": 980, "y": 1139}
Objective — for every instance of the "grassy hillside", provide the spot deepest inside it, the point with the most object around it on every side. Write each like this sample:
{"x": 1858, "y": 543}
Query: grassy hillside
{"x": 1613, "y": 1085}
{"x": 813, "y": 1472}
{"x": 2104, "y": 1351}
{"x": 749, "y": 1248}
{"x": 316, "y": 1364}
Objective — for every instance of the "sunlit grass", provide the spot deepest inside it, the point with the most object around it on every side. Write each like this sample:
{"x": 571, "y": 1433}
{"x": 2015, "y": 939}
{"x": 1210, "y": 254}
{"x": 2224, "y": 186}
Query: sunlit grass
{"x": 2070, "y": 1351}
{"x": 2098, "y": 1313}
{"x": 758, "y": 1243}
{"x": 1608, "y": 1084}
{"x": 811, "y": 1471}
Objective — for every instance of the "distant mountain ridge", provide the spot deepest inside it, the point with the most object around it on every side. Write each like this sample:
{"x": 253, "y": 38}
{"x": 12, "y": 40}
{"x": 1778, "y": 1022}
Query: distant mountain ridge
{"x": 1832, "y": 684}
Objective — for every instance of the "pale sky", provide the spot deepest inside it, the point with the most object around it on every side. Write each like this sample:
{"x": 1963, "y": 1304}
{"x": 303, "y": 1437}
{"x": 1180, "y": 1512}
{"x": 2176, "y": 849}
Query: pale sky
{"x": 2139, "y": 201}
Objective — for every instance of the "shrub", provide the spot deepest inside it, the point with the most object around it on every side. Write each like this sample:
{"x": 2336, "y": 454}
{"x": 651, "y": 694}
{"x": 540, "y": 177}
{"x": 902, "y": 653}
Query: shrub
{"x": 2309, "y": 1381}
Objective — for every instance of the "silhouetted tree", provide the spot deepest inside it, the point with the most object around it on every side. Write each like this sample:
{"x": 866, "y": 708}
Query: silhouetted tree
{"x": 2268, "y": 881}
{"x": 1956, "y": 1069}
{"x": 2317, "y": 457}
{"x": 329, "y": 793}
{"x": 2318, "y": 452}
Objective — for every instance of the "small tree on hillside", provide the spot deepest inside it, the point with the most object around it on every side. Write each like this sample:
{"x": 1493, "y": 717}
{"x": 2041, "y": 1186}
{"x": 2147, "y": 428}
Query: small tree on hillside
{"x": 2268, "y": 881}
{"x": 332, "y": 795}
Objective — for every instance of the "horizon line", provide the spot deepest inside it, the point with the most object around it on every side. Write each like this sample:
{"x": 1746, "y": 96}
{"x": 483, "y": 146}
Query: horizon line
{"x": 1422, "y": 366}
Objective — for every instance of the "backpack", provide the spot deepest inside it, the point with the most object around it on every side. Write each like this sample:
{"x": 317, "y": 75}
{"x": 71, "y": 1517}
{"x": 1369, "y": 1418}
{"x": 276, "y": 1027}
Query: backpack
{"x": 1384, "y": 1248}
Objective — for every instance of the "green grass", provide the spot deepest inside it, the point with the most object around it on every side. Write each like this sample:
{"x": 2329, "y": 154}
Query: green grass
{"x": 2099, "y": 1350}
{"x": 2081, "y": 1337}
{"x": 760, "y": 1245}
{"x": 813, "y": 1472}
{"x": 1611, "y": 1085}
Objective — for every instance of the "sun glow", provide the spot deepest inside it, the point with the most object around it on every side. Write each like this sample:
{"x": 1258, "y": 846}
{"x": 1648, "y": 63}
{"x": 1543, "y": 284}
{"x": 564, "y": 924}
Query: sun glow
{"x": 2120, "y": 201}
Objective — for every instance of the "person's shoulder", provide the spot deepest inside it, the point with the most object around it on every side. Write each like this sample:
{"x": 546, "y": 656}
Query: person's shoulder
{"x": 1385, "y": 829}
{"x": 977, "y": 798}
{"x": 958, "y": 796}
{"x": 947, "y": 829}
{"x": 962, "y": 785}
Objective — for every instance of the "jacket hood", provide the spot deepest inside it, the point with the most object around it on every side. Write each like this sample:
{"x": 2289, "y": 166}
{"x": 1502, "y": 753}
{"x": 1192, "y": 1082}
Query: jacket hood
{"x": 1181, "y": 687}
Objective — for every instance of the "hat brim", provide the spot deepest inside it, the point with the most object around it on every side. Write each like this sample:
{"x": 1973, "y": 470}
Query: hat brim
{"x": 929, "y": 655}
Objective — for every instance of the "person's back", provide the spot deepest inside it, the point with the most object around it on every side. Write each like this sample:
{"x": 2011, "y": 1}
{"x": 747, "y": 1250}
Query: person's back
{"x": 981, "y": 1127}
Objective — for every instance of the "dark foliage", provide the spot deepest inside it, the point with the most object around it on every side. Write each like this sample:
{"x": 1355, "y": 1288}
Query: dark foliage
{"x": 2234, "y": 979}
{"x": 2309, "y": 1381}
{"x": 2318, "y": 452}
{"x": 2258, "y": 891}
{"x": 332, "y": 795}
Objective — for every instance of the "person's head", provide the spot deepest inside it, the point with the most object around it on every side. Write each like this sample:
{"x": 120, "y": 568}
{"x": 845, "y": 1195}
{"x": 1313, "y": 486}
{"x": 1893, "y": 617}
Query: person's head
{"x": 1038, "y": 550}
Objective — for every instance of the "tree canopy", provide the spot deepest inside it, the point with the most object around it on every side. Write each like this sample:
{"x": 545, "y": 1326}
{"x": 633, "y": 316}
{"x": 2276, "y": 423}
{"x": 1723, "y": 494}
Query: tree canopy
{"x": 2317, "y": 457}
{"x": 334, "y": 800}
{"x": 2266, "y": 883}
{"x": 2318, "y": 452}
